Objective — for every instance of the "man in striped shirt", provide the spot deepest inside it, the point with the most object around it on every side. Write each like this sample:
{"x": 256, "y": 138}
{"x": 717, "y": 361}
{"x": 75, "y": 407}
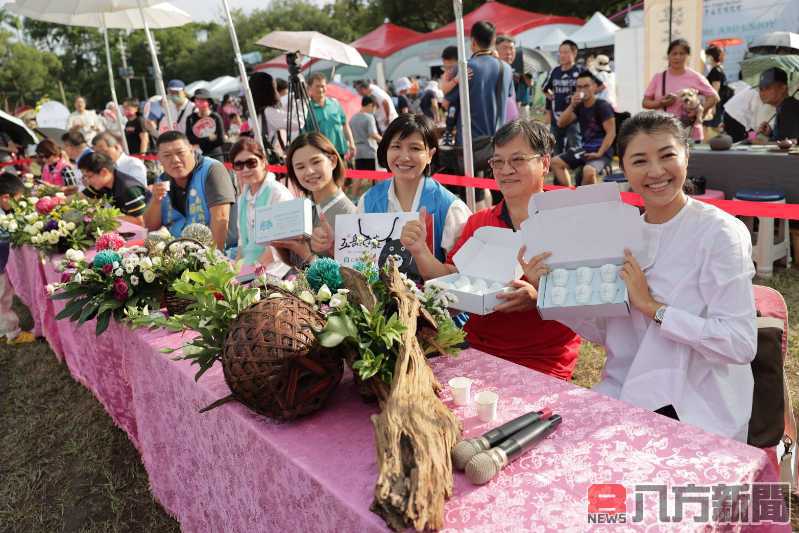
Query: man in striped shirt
{"x": 121, "y": 190}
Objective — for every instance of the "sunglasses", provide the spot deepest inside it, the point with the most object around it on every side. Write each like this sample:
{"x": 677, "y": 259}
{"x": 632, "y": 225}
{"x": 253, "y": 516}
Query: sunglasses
{"x": 249, "y": 163}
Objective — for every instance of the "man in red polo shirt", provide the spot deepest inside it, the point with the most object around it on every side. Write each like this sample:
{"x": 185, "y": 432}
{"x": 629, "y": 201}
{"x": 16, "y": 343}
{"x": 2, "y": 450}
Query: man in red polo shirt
{"x": 514, "y": 331}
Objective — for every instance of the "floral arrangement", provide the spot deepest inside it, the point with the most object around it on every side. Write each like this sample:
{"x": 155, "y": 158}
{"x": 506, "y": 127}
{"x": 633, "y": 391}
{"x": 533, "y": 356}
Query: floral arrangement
{"x": 218, "y": 300}
{"x": 56, "y": 223}
{"x": 112, "y": 283}
{"x": 374, "y": 333}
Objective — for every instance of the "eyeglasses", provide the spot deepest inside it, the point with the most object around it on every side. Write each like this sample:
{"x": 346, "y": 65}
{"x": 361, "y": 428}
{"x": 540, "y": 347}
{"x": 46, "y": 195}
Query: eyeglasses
{"x": 249, "y": 163}
{"x": 515, "y": 162}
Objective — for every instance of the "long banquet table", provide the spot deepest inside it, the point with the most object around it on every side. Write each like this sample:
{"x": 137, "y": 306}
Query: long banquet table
{"x": 733, "y": 170}
{"x": 234, "y": 471}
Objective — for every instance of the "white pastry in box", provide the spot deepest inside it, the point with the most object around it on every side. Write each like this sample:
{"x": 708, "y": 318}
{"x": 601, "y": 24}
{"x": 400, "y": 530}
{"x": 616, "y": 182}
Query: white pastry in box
{"x": 284, "y": 220}
{"x": 586, "y": 230}
{"x": 486, "y": 264}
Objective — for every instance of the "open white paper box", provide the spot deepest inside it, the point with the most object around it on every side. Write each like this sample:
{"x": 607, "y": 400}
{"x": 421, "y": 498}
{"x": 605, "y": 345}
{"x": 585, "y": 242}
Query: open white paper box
{"x": 489, "y": 254}
{"x": 284, "y": 220}
{"x": 588, "y": 226}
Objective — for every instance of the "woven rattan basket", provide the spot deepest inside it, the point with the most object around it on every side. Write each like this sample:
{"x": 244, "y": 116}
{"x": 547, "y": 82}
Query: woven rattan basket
{"x": 174, "y": 304}
{"x": 273, "y": 363}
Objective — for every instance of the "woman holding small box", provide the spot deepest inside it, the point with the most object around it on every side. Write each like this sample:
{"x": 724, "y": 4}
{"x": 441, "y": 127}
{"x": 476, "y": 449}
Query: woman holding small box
{"x": 514, "y": 331}
{"x": 407, "y": 149}
{"x": 686, "y": 348}
{"x": 316, "y": 168}
{"x": 259, "y": 189}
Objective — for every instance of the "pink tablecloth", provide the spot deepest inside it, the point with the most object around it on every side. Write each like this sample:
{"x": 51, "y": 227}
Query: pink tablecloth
{"x": 232, "y": 470}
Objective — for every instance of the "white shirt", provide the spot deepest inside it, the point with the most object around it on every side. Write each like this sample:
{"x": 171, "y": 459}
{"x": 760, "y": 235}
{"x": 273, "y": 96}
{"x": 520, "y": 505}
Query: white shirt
{"x": 87, "y": 122}
{"x": 747, "y": 108}
{"x": 179, "y": 116}
{"x": 132, "y": 166}
{"x": 699, "y": 359}
{"x": 279, "y": 194}
{"x": 380, "y": 96}
{"x": 457, "y": 215}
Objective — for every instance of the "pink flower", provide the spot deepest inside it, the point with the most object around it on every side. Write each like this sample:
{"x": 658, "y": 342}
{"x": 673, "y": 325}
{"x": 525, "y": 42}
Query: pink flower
{"x": 110, "y": 241}
{"x": 120, "y": 290}
{"x": 107, "y": 269}
{"x": 46, "y": 204}
{"x": 66, "y": 276}
{"x": 87, "y": 219}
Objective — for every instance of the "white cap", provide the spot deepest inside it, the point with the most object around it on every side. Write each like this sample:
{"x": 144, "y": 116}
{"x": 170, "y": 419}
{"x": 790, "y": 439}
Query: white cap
{"x": 402, "y": 84}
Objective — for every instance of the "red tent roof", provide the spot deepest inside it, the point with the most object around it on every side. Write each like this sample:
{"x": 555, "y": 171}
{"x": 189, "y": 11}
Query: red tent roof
{"x": 385, "y": 40}
{"x": 508, "y": 20}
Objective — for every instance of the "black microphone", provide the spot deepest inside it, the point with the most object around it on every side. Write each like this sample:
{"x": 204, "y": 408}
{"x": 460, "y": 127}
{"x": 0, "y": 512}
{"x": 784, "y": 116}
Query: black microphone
{"x": 484, "y": 466}
{"x": 464, "y": 450}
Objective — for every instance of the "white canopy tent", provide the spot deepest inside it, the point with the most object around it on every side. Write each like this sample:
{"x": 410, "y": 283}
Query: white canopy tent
{"x": 598, "y": 31}
{"x": 552, "y": 40}
{"x": 195, "y": 85}
{"x": 222, "y": 86}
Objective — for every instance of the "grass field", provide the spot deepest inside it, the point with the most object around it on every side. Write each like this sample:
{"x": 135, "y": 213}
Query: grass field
{"x": 65, "y": 467}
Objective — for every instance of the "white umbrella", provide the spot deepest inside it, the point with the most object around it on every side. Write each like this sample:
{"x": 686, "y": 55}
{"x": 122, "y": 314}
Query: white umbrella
{"x": 552, "y": 40}
{"x": 75, "y": 13}
{"x": 782, "y": 39}
{"x": 313, "y": 44}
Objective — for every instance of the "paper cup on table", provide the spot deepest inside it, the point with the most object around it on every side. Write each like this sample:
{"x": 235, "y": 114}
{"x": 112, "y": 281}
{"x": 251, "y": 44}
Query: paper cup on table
{"x": 486, "y": 405}
{"x": 461, "y": 390}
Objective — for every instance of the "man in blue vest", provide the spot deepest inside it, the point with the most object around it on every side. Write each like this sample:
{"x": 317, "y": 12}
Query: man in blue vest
{"x": 193, "y": 189}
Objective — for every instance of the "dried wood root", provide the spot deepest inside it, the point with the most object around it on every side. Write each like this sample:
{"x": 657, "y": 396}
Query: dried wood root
{"x": 414, "y": 433}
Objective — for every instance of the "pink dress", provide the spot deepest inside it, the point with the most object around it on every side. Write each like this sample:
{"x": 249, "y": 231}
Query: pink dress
{"x": 690, "y": 79}
{"x": 53, "y": 174}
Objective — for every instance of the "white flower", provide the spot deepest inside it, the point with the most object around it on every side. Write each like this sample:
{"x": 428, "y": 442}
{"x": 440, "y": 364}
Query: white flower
{"x": 77, "y": 278}
{"x": 343, "y": 291}
{"x": 38, "y": 224}
{"x": 23, "y": 203}
{"x": 156, "y": 261}
{"x": 70, "y": 226}
{"x": 74, "y": 255}
{"x": 324, "y": 293}
{"x": 146, "y": 263}
{"x": 119, "y": 272}
{"x": 12, "y": 226}
{"x": 30, "y": 217}
{"x": 288, "y": 286}
{"x": 53, "y": 237}
{"x": 134, "y": 280}
{"x": 149, "y": 276}
{"x": 338, "y": 300}
{"x": 307, "y": 297}
{"x": 274, "y": 295}
{"x": 115, "y": 265}
{"x": 50, "y": 289}
{"x": 60, "y": 195}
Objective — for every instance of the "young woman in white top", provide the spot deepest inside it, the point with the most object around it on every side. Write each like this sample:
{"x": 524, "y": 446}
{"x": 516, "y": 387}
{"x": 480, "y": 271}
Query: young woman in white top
{"x": 686, "y": 348}
{"x": 258, "y": 189}
{"x": 316, "y": 169}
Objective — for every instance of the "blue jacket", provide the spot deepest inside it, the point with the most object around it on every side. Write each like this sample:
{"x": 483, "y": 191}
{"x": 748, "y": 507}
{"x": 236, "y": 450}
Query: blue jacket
{"x": 435, "y": 198}
{"x": 196, "y": 202}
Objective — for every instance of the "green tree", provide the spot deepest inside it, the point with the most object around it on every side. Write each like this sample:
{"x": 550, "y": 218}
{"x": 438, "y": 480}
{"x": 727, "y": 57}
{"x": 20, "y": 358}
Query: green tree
{"x": 26, "y": 73}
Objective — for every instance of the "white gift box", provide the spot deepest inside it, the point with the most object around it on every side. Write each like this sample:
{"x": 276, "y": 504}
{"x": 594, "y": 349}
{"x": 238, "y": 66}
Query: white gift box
{"x": 284, "y": 220}
{"x": 585, "y": 227}
{"x": 489, "y": 255}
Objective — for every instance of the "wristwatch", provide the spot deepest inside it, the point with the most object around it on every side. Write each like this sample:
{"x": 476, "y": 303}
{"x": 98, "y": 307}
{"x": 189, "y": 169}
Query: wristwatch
{"x": 659, "y": 314}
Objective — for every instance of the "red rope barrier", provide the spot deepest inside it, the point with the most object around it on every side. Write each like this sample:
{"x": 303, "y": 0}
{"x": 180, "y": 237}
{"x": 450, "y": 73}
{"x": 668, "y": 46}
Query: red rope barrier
{"x": 733, "y": 207}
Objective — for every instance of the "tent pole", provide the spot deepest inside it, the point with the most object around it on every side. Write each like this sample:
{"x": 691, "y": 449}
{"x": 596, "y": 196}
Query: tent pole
{"x": 159, "y": 78}
{"x": 466, "y": 114}
{"x": 245, "y": 85}
{"x": 117, "y": 115}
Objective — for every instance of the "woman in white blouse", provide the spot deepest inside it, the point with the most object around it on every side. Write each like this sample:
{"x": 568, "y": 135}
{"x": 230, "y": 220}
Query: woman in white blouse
{"x": 686, "y": 348}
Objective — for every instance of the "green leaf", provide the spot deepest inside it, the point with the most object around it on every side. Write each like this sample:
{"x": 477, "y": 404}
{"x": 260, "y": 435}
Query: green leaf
{"x": 330, "y": 339}
{"x": 102, "y": 323}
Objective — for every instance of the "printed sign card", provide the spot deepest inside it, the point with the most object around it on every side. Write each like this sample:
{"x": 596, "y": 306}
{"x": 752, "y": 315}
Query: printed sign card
{"x": 375, "y": 234}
